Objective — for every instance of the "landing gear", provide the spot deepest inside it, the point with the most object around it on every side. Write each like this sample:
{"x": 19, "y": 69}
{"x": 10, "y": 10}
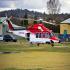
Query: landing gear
{"x": 52, "y": 43}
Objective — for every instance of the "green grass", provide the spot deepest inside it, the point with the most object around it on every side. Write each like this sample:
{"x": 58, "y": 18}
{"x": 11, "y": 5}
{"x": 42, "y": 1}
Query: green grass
{"x": 35, "y": 60}
{"x": 24, "y": 45}
{"x": 33, "y": 57}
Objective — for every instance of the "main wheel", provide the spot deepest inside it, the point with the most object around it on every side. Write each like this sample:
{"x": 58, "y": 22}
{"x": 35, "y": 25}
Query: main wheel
{"x": 52, "y": 43}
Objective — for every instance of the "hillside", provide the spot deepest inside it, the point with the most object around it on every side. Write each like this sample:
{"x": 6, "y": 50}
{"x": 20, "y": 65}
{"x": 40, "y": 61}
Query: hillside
{"x": 21, "y": 13}
{"x": 33, "y": 14}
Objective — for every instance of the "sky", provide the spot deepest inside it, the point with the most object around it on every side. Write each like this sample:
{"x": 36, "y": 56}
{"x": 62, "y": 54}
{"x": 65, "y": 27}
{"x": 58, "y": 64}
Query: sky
{"x": 36, "y": 5}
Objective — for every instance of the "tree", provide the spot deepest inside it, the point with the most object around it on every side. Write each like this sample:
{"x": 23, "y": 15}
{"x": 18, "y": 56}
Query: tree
{"x": 26, "y": 16}
{"x": 21, "y": 23}
{"x": 25, "y": 19}
{"x": 53, "y": 6}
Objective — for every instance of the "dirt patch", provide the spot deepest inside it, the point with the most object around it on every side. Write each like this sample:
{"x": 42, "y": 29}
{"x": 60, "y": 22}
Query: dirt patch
{"x": 7, "y": 52}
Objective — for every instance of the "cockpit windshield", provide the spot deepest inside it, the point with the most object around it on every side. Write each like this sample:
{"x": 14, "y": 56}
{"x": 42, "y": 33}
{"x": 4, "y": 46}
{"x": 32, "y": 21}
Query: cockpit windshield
{"x": 52, "y": 34}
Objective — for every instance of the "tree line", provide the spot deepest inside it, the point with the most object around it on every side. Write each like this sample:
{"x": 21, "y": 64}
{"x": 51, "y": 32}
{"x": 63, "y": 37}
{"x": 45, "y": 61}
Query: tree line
{"x": 33, "y": 14}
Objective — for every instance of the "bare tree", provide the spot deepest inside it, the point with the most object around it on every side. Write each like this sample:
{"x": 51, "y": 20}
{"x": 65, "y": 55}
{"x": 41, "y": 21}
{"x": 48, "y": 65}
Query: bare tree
{"x": 53, "y": 6}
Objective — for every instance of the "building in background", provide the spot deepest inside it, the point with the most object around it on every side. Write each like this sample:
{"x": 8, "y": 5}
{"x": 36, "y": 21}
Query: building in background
{"x": 3, "y": 26}
{"x": 65, "y": 26}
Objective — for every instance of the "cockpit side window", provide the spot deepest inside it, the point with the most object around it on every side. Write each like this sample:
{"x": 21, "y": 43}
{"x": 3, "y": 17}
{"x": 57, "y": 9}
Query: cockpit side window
{"x": 52, "y": 34}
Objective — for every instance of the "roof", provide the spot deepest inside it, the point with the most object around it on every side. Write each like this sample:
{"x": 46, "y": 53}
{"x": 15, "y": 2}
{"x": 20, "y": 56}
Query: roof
{"x": 38, "y": 28}
{"x": 2, "y": 19}
{"x": 66, "y": 21}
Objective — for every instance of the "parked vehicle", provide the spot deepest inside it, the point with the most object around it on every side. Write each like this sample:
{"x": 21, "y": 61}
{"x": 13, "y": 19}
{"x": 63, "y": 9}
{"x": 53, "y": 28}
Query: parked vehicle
{"x": 1, "y": 37}
{"x": 9, "y": 38}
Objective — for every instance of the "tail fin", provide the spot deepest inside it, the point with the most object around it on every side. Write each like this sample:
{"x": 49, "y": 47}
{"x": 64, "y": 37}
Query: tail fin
{"x": 10, "y": 25}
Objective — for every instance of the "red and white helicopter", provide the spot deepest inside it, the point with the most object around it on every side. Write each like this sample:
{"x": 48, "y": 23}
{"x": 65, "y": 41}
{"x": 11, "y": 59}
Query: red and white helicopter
{"x": 36, "y": 33}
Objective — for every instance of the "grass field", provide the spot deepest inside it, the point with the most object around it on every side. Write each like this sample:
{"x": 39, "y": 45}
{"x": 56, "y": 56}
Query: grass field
{"x": 23, "y": 45}
{"x": 33, "y": 57}
{"x": 35, "y": 60}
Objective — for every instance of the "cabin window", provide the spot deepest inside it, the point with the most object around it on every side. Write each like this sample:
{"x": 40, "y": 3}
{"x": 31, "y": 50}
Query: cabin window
{"x": 42, "y": 35}
{"x": 47, "y": 35}
{"x": 28, "y": 36}
{"x": 37, "y": 35}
